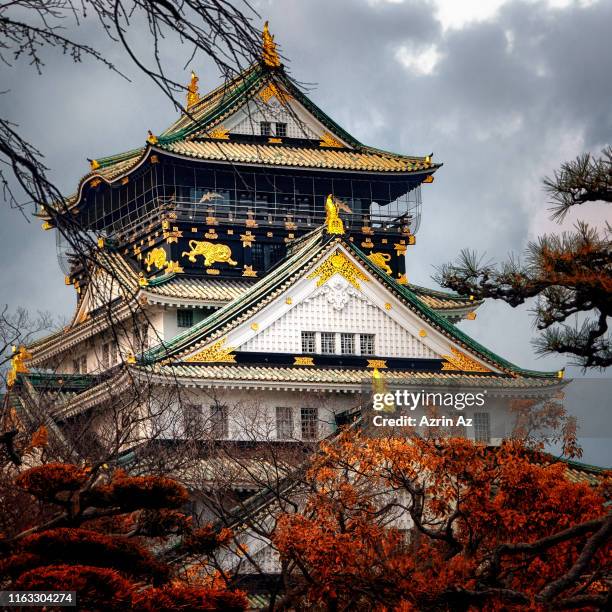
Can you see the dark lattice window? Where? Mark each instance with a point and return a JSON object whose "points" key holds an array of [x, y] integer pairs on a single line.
{"points": [[309, 417], [328, 342], [193, 420], [265, 128], [219, 421], [347, 344], [366, 342], [184, 318], [309, 342], [281, 130]]}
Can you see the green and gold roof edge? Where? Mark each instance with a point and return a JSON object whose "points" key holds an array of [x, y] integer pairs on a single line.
{"points": [[293, 264], [443, 295]]}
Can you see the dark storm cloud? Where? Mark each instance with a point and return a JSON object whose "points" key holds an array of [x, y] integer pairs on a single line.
{"points": [[508, 100]]}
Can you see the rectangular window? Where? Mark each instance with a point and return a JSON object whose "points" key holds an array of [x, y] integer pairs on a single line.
{"points": [[192, 420], [328, 342], [114, 353], [284, 423], [219, 421], [347, 344], [184, 318], [366, 342], [105, 355], [309, 342], [309, 418], [83, 365], [265, 128], [482, 427], [75, 366], [281, 130]]}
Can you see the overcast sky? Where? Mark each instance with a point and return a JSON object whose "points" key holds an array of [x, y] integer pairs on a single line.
{"points": [[501, 92]]}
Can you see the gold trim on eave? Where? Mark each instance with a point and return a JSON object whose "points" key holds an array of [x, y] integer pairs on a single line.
{"points": [[215, 353], [304, 361], [338, 264], [377, 364], [461, 362]]}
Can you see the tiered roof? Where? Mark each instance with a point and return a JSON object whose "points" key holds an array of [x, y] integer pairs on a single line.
{"points": [[198, 134]]}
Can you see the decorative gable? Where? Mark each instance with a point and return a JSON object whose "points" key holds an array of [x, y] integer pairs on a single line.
{"points": [[344, 308], [273, 106], [337, 306]]}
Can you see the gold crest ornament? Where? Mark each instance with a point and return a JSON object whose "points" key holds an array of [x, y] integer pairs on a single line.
{"points": [[338, 264], [211, 252]]}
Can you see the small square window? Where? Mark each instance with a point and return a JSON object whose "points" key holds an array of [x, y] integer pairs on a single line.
{"points": [[284, 422], [265, 128], [281, 130], [347, 344], [328, 342], [309, 344], [366, 342], [482, 427], [184, 318], [309, 418]]}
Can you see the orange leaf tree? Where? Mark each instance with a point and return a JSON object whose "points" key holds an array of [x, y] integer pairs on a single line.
{"points": [[445, 525]]}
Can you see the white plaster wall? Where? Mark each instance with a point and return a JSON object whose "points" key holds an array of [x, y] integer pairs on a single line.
{"points": [[337, 308]]}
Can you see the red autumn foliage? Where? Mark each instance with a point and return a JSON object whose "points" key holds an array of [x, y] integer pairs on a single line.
{"points": [[205, 540], [85, 547], [99, 544], [136, 492], [98, 589], [465, 506], [47, 481], [179, 597]]}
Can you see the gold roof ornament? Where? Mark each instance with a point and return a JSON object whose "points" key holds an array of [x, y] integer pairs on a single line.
{"points": [[333, 206], [18, 366], [151, 137], [193, 95], [270, 54], [94, 164]]}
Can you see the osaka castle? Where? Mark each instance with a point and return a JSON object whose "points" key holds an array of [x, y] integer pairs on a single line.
{"points": [[243, 275]]}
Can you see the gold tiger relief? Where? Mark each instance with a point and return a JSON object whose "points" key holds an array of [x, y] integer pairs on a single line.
{"points": [[381, 259], [211, 252]]}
